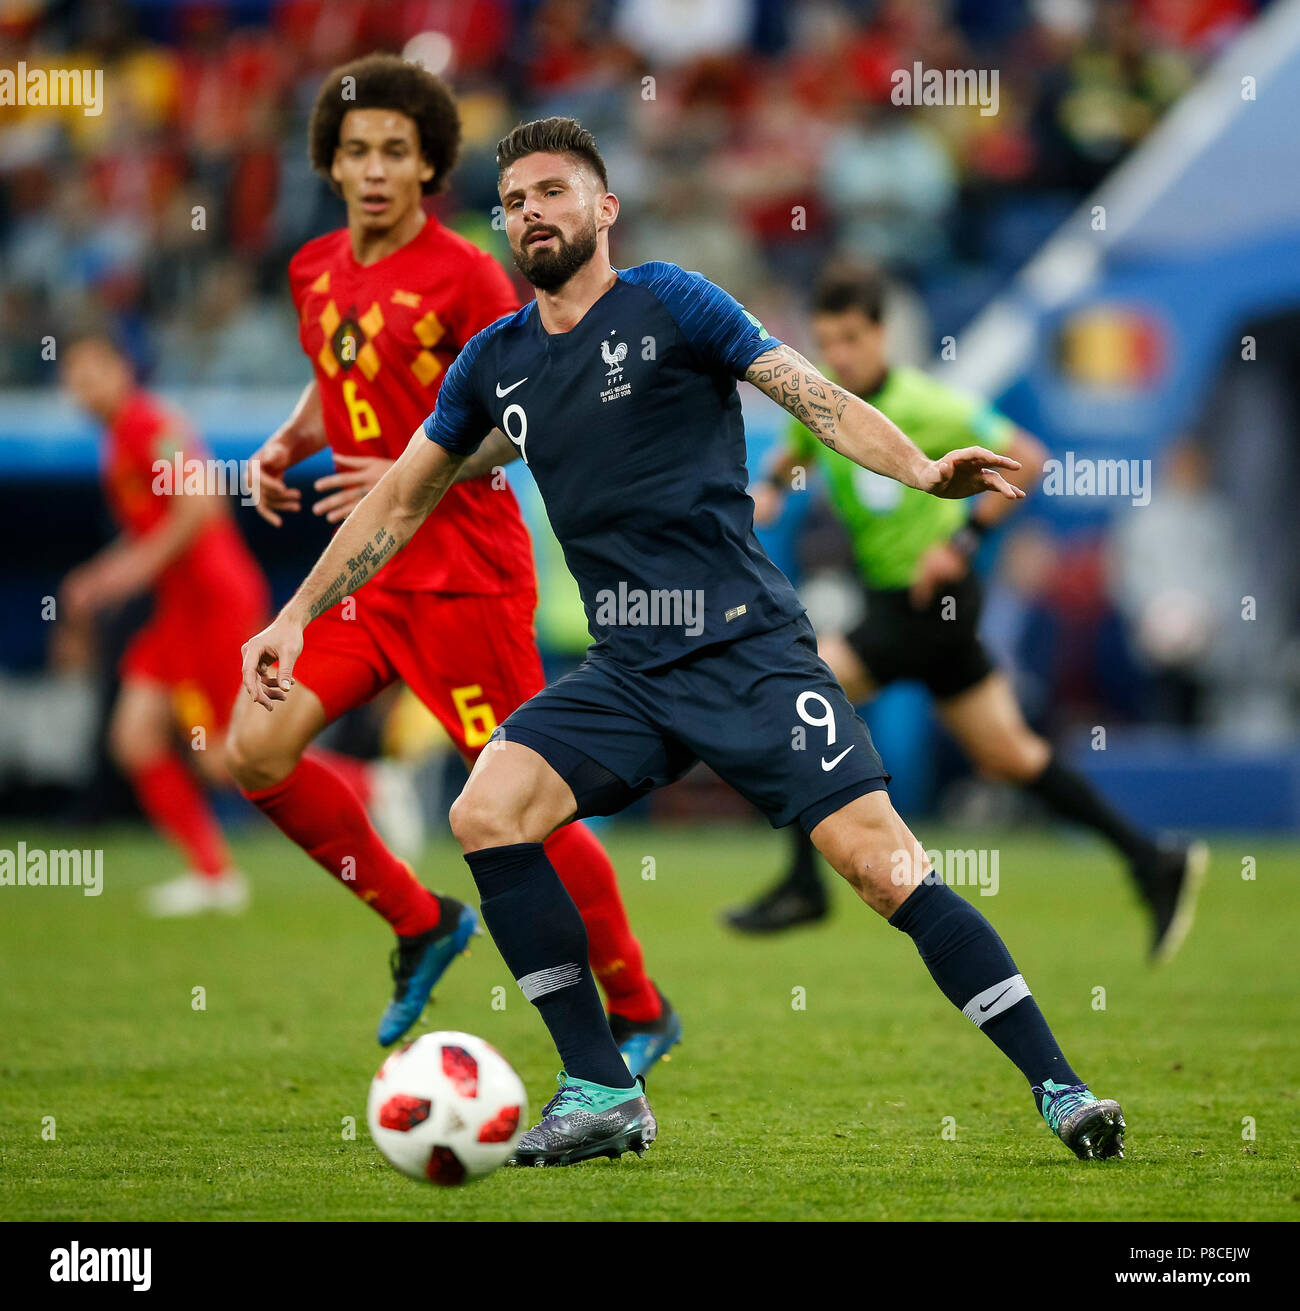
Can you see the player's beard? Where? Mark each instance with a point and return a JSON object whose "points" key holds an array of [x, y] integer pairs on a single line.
{"points": [[549, 270]]}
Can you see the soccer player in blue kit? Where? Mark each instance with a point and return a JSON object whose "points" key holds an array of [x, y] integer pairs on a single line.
{"points": [[618, 390]]}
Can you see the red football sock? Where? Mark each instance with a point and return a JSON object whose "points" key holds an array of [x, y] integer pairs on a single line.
{"points": [[321, 813], [615, 955], [355, 773], [173, 800]]}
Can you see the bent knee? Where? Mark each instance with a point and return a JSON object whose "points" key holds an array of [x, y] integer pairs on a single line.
{"points": [[255, 760], [479, 821], [881, 860], [883, 875]]}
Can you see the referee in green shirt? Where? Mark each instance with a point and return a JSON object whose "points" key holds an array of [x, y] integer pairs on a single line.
{"points": [[922, 606]]}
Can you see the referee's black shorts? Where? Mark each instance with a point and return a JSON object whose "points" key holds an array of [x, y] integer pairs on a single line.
{"points": [[938, 645]]}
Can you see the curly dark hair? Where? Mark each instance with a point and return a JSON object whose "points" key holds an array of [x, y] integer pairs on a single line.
{"points": [[387, 82], [551, 136]]}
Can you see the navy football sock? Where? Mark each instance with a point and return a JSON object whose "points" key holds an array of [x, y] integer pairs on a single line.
{"points": [[540, 934], [974, 970]]}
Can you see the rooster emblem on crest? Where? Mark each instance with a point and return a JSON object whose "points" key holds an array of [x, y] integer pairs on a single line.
{"points": [[614, 358]]}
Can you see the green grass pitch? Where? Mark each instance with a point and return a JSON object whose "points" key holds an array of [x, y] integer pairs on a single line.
{"points": [[873, 1099]]}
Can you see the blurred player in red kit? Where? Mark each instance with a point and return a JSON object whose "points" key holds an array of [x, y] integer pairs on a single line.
{"points": [[384, 306], [179, 542]]}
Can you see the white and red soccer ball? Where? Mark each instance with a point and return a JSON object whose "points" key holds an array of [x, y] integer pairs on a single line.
{"points": [[447, 1108]]}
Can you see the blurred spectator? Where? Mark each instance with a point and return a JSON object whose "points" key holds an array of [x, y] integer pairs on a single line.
{"points": [[1176, 575], [890, 185], [1121, 80], [229, 336], [671, 32]]}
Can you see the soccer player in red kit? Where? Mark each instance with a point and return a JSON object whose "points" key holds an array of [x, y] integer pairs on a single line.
{"points": [[179, 541], [384, 305]]}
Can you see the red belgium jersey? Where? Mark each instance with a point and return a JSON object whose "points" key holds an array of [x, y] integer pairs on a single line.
{"points": [[380, 338], [217, 568]]}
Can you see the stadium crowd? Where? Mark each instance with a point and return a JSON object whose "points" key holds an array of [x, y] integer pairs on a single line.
{"points": [[758, 135]]}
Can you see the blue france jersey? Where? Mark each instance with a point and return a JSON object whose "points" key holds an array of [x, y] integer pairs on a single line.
{"points": [[632, 427]]}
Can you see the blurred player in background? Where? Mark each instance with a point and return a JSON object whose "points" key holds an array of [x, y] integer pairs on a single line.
{"points": [[922, 607], [384, 306], [180, 544]]}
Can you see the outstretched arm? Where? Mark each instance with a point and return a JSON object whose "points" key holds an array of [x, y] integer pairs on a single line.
{"points": [[383, 522], [847, 424]]}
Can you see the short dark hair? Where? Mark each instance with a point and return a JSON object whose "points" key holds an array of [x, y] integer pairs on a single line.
{"points": [[845, 287], [551, 136], [387, 82]]}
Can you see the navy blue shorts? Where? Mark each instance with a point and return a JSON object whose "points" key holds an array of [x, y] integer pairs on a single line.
{"points": [[763, 712]]}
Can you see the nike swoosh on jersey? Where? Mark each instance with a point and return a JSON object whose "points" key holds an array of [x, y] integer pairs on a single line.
{"points": [[507, 390], [829, 765], [995, 1000]]}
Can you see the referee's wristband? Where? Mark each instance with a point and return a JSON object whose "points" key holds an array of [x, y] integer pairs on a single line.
{"points": [[968, 537]]}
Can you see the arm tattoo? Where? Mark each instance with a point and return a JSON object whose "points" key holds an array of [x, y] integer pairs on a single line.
{"points": [[795, 385], [845, 423], [333, 594], [360, 567]]}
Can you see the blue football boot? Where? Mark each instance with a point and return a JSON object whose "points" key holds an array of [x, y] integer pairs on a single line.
{"points": [[643, 1042], [418, 963]]}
